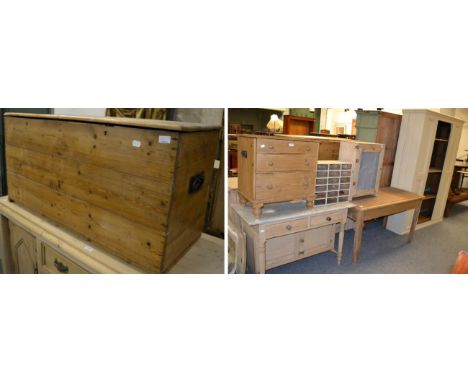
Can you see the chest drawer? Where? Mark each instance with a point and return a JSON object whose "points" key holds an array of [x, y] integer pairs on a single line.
{"points": [[279, 162], [287, 227], [333, 217], [281, 146], [55, 262], [284, 185]]}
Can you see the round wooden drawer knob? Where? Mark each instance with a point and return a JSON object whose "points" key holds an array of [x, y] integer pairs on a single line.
{"points": [[307, 148], [270, 163], [269, 186], [270, 147], [328, 218], [307, 163], [289, 227]]}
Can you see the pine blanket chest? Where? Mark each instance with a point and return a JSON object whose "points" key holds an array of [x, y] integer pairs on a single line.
{"points": [[136, 188]]}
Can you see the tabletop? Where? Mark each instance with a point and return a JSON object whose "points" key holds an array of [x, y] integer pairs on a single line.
{"points": [[385, 197], [277, 212]]}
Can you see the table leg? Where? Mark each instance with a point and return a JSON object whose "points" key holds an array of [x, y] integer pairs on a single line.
{"points": [[260, 252], [358, 227], [414, 222], [340, 241]]}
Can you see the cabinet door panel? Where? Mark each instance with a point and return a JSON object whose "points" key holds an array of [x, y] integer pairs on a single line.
{"points": [[23, 250]]}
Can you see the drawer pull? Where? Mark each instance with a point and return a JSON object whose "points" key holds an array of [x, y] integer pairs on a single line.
{"points": [[301, 240], [328, 218], [308, 148], [269, 186], [301, 253], [289, 227], [270, 163], [62, 268], [270, 147], [307, 163]]}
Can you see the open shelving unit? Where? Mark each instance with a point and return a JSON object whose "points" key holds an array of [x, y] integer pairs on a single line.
{"points": [[439, 152], [424, 162]]}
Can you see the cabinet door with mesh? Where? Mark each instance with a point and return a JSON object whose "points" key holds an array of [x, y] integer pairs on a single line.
{"points": [[369, 173]]}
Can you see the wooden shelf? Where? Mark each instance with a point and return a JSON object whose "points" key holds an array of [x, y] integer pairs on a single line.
{"points": [[435, 170], [441, 140]]}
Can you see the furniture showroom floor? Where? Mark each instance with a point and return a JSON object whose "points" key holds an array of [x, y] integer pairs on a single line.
{"points": [[205, 256], [433, 250]]}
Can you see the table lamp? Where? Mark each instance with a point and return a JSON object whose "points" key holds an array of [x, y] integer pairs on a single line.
{"points": [[275, 125]]}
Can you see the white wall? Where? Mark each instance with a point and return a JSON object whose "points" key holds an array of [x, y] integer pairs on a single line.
{"points": [[88, 112]]}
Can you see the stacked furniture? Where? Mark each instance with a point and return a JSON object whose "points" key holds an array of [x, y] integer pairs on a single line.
{"points": [[333, 182], [134, 188], [298, 125], [276, 169], [381, 127], [424, 164]]}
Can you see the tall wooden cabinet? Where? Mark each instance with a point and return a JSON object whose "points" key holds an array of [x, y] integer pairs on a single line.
{"points": [[424, 163], [380, 127]]}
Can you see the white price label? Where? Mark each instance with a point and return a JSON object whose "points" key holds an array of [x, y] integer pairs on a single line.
{"points": [[216, 164], [164, 139], [136, 143], [88, 248], [291, 144]]}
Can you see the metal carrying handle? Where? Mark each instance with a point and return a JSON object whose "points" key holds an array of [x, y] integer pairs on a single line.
{"points": [[62, 268], [196, 182]]}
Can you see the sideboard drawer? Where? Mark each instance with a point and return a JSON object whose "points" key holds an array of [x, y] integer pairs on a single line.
{"points": [[334, 217], [281, 146], [286, 228], [55, 262], [279, 162]]}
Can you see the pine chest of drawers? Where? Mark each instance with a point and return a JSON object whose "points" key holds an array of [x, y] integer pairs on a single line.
{"points": [[276, 169], [136, 188]]}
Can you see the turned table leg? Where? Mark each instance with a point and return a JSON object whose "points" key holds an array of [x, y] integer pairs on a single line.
{"points": [[340, 241], [310, 202], [414, 222], [358, 227]]}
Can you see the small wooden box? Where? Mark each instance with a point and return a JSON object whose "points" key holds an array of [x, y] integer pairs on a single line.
{"points": [[276, 169], [137, 188]]}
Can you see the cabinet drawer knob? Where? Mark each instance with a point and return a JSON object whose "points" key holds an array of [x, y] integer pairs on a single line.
{"points": [[308, 148], [62, 268], [328, 218], [301, 253], [301, 240], [307, 163], [269, 186], [270, 147], [289, 227], [270, 163]]}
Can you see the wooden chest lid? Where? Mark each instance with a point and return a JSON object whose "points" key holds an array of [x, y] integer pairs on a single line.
{"points": [[126, 122]]}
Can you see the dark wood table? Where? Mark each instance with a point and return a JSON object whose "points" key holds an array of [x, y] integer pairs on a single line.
{"points": [[388, 201]]}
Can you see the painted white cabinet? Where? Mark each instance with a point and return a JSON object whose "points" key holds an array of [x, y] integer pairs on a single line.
{"points": [[424, 162]]}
